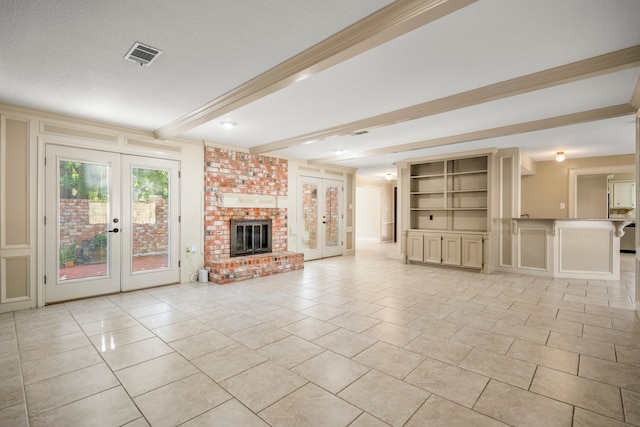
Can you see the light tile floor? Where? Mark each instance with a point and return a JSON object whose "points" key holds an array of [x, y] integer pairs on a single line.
{"points": [[348, 341]]}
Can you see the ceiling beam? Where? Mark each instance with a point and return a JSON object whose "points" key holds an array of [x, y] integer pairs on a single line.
{"points": [[587, 68], [532, 126], [396, 19]]}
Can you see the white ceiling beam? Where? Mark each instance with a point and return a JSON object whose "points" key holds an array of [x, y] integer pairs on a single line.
{"points": [[396, 19], [532, 126], [587, 68]]}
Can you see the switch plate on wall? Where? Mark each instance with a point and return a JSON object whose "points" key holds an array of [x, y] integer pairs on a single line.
{"points": [[562, 205]]}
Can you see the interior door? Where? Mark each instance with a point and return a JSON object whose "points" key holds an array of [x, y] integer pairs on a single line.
{"points": [[82, 223], [321, 211], [111, 223]]}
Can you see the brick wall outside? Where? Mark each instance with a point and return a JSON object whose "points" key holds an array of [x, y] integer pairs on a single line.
{"points": [[332, 229], [228, 171], [331, 215], [76, 227], [153, 238], [310, 215]]}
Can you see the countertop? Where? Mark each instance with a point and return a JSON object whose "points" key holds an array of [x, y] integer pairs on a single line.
{"points": [[618, 223], [575, 219]]}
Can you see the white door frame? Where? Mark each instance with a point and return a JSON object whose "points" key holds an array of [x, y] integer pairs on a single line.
{"points": [[321, 251], [596, 170], [120, 279]]}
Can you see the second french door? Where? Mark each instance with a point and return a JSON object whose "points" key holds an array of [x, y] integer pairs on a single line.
{"points": [[111, 222], [321, 217]]}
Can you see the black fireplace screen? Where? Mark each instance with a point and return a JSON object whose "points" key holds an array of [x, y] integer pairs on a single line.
{"points": [[250, 236]]}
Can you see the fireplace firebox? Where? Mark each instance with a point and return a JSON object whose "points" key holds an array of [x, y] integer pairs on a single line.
{"points": [[250, 236]]}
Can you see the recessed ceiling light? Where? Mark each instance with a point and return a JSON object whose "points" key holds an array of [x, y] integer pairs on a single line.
{"points": [[338, 151], [302, 77], [228, 125]]}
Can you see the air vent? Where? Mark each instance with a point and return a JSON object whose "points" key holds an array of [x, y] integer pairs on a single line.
{"points": [[142, 54], [360, 132]]}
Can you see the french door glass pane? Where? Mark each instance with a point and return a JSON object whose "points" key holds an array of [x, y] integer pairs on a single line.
{"points": [[332, 212], [310, 216], [83, 246], [150, 219]]}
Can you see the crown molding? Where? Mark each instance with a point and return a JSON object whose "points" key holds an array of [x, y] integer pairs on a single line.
{"points": [[586, 68], [392, 21]]}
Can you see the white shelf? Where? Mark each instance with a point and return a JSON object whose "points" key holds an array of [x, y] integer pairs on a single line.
{"points": [[438, 175], [450, 195], [467, 173], [479, 190]]}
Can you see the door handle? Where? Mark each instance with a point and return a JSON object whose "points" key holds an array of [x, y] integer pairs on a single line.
{"points": [[115, 230]]}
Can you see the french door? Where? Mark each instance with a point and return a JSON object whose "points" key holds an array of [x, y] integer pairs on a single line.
{"points": [[321, 217], [111, 222]]}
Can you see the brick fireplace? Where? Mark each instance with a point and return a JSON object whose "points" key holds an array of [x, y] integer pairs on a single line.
{"points": [[241, 186]]}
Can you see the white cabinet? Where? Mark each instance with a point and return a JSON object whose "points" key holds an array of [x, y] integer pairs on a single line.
{"points": [[472, 251], [459, 250], [415, 248], [623, 195], [451, 250], [432, 248]]}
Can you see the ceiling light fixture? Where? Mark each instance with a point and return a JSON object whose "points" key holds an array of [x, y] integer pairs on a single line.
{"points": [[560, 156], [228, 125], [388, 176]]}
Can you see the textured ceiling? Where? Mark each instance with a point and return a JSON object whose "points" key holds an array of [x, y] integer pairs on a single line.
{"points": [[67, 57]]}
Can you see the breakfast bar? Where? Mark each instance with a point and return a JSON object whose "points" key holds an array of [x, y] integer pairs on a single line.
{"points": [[569, 248]]}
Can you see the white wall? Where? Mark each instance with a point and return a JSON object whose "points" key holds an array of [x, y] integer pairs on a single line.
{"points": [[592, 196], [192, 208], [386, 212], [368, 222]]}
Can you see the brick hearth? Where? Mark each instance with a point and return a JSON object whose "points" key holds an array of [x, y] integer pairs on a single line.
{"points": [[228, 270]]}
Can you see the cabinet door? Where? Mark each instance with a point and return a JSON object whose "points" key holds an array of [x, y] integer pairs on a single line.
{"points": [[451, 253], [624, 195], [433, 248], [415, 249], [472, 251]]}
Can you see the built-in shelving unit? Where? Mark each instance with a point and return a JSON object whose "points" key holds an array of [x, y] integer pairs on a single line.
{"points": [[448, 219], [450, 195]]}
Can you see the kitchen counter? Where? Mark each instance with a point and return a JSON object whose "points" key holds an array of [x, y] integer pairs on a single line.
{"points": [[618, 223], [568, 247]]}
